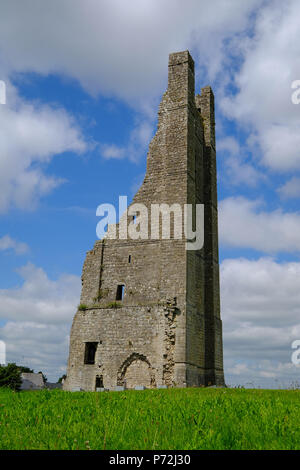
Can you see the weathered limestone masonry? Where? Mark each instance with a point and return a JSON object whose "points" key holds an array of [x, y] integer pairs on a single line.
{"points": [[166, 330]]}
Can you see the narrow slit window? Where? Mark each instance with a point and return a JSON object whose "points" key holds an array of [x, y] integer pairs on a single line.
{"points": [[90, 353], [99, 381], [120, 292], [129, 259]]}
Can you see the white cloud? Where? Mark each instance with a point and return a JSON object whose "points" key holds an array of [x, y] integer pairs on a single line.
{"points": [[263, 103], [260, 308], [121, 48], [112, 151], [38, 346], [230, 145], [291, 189], [259, 304], [116, 47], [244, 224], [237, 170], [250, 287], [40, 299], [30, 136], [139, 139], [38, 319], [280, 145], [116, 50], [8, 243]]}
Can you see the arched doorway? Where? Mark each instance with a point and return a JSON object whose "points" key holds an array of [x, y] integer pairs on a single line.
{"points": [[136, 370]]}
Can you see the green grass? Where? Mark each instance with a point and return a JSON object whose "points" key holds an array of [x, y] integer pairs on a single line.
{"points": [[152, 419]]}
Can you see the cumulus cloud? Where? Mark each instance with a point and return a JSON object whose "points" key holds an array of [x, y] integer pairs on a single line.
{"points": [[271, 62], [115, 47], [253, 284], [243, 223], [291, 189], [30, 136], [38, 318], [110, 48], [238, 171], [260, 304], [112, 151], [8, 243], [139, 138], [260, 310], [40, 299], [38, 346]]}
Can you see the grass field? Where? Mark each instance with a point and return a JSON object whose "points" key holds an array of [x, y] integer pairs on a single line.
{"points": [[152, 419]]}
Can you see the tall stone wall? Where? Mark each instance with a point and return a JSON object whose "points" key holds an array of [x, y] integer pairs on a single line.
{"points": [[167, 329]]}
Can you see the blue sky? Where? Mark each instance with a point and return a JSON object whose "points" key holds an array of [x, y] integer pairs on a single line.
{"points": [[87, 179], [84, 81]]}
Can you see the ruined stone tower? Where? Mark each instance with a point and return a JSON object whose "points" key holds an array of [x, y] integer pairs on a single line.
{"points": [[150, 308]]}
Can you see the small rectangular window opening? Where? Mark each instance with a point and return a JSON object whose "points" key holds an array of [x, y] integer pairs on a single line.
{"points": [[90, 353], [99, 381], [129, 259], [120, 292]]}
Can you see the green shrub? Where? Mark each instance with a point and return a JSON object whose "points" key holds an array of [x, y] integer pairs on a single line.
{"points": [[113, 305], [10, 376], [82, 307]]}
